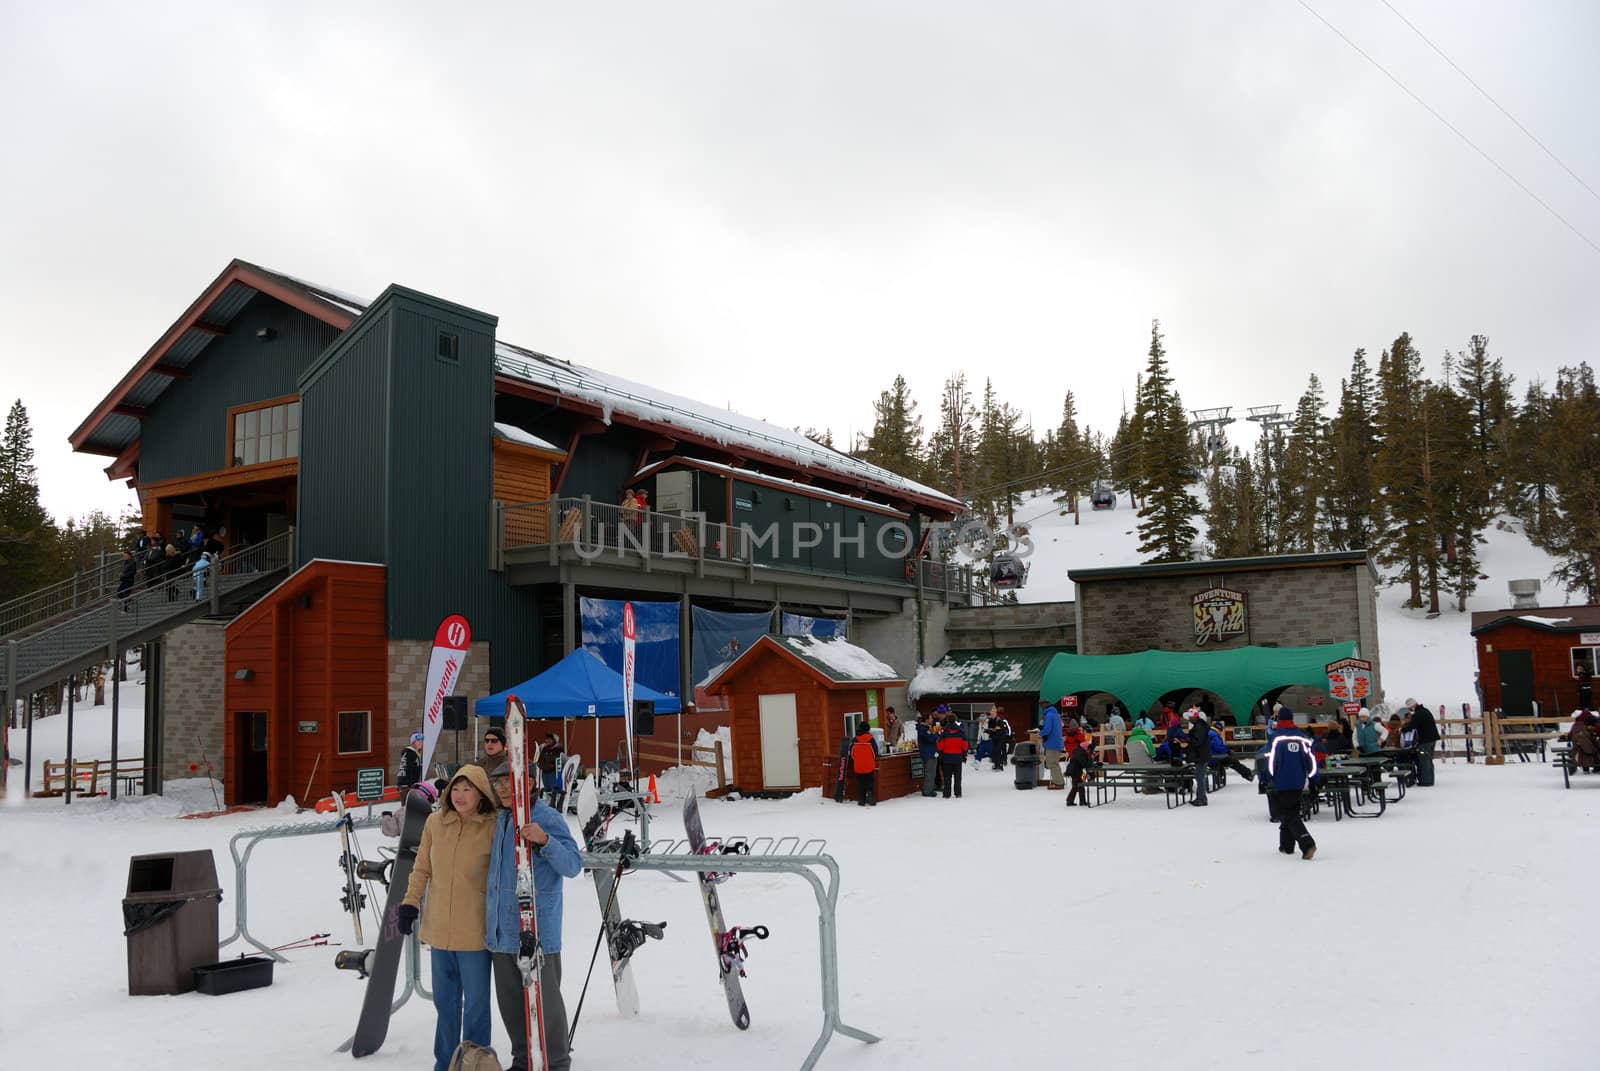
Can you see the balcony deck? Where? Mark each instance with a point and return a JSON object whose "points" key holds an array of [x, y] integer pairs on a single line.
{"points": [[581, 541]]}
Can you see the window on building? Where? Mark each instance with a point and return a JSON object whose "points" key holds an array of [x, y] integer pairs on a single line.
{"points": [[355, 732], [266, 433], [449, 347], [1584, 658]]}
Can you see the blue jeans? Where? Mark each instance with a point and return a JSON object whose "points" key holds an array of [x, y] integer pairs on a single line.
{"points": [[461, 999]]}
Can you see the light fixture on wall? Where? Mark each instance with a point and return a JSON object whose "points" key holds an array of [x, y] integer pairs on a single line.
{"points": [[244, 674], [266, 334]]}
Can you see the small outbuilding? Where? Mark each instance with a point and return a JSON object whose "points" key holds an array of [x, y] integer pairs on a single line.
{"points": [[794, 701], [1536, 656], [971, 682]]}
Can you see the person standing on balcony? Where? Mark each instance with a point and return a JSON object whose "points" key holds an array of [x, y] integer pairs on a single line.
{"points": [[130, 573], [153, 561], [200, 571], [631, 513], [172, 565]]}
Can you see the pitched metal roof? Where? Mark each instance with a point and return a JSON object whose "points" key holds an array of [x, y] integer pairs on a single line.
{"points": [[837, 659], [1546, 619], [1006, 671], [1222, 565]]}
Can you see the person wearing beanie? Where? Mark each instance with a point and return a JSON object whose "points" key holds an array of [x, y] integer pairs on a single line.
{"points": [[1292, 766], [410, 762], [952, 756], [1050, 739], [555, 856], [1079, 746], [494, 745], [1419, 720], [1199, 753]]}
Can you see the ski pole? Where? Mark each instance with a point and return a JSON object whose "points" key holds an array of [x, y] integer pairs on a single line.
{"points": [[628, 850]]}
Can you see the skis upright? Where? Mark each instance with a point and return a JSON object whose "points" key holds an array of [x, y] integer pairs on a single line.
{"points": [[353, 899], [530, 956], [569, 770], [729, 943], [382, 963], [591, 819]]}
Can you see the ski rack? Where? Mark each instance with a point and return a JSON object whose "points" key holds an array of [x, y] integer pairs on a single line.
{"points": [[674, 857], [241, 867]]}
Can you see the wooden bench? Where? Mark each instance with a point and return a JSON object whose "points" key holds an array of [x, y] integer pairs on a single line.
{"points": [[95, 771]]}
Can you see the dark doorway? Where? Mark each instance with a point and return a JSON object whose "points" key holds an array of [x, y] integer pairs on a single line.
{"points": [[1516, 681], [250, 733]]}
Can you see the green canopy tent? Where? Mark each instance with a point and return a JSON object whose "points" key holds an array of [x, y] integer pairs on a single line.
{"points": [[1239, 675]]}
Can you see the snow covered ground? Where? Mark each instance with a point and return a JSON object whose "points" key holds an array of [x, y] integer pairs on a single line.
{"points": [[972, 933], [975, 933]]}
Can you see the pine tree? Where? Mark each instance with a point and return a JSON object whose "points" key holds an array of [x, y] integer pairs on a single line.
{"points": [[1072, 461], [952, 451], [1352, 441], [1166, 522], [1571, 530], [1458, 493], [1485, 387], [895, 442], [29, 557], [1398, 467], [1234, 510], [1530, 468], [1305, 474]]}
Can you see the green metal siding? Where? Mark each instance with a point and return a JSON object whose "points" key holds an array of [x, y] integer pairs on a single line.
{"points": [[186, 430], [601, 466], [343, 511]]}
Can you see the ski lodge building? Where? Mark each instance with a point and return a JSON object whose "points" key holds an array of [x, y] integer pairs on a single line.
{"points": [[378, 465]]}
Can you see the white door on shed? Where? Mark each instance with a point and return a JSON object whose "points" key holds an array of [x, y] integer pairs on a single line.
{"points": [[780, 741]]}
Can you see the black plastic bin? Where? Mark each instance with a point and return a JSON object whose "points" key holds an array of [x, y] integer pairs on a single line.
{"points": [[169, 916], [233, 975], [1025, 760]]}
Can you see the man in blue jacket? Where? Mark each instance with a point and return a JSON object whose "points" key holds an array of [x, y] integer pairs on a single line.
{"points": [[1051, 739], [555, 856], [928, 751], [1291, 766]]}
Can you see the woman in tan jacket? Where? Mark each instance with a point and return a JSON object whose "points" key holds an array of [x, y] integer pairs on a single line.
{"points": [[452, 867]]}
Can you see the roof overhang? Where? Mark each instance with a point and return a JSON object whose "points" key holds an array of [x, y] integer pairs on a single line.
{"points": [[112, 429]]}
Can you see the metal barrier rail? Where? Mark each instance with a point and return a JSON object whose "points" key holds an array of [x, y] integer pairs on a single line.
{"points": [[805, 866]]}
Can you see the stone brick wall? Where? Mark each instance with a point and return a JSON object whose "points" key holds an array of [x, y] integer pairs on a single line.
{"points": [[192, 711], [408, 676], [1025, 624], [1293, 607]]}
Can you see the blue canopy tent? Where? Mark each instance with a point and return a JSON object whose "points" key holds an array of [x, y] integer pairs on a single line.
{"points": [[578, 686]]}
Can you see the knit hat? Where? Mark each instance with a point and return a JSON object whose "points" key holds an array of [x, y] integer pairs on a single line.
{"points": [[418, 737], [498, 734], [1285, 716], [941, 709]]}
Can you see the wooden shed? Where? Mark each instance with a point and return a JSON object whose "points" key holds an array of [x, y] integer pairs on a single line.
{"points": [[1528, 656], [794, 699], [307, 687]]}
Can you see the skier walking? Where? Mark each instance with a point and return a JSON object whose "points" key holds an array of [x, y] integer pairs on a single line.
{"points": [[1291, 765], [455, 849], [555, 856]]}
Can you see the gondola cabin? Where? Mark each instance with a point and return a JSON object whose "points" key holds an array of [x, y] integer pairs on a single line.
{"points": [[1008, 573], [1103, 498]]}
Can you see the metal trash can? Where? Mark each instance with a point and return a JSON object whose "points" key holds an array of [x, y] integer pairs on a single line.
{"points": [[169, 916], [1025, 759]]}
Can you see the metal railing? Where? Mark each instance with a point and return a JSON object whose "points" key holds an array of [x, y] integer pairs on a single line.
{"points": [[61, 598], [174, 594], [595, 528]]}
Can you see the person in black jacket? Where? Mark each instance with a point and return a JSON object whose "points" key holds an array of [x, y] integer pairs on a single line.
{"points": [[410, 762], [130, 573], [999, 740], [1420, 721], [952, 755], [1199, 752]]}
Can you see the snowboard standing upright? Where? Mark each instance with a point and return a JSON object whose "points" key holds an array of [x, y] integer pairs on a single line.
{"points": [[591, 821], [729, 944], [530, 957], [383, 962]]}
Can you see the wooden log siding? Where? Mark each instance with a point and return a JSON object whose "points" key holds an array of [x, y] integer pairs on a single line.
{"points": [[522, 474]]}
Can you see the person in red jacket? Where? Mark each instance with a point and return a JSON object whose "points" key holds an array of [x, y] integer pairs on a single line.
{"points": [[864, 760], [952, 756], [1080, 756]]}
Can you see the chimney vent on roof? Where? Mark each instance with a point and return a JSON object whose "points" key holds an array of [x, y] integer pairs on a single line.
{"points": [[1524, 594]]}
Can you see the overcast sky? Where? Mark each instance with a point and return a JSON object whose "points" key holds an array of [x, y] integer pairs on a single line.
{"points": [[780, 206]]}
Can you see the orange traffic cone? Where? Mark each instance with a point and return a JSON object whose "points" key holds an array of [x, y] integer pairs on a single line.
{"points": [[654, 796]]}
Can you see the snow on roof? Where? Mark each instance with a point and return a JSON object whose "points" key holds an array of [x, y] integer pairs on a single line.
{"points": [[1544, 620], [801, 488], [513, 434], [350, 302], [982, 673], [840, 659], [723, 426]]}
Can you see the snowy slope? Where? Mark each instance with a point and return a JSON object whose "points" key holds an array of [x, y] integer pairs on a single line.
{"points": [[1430, 660]]}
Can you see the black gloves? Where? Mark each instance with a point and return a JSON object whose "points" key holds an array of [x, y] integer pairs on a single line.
{"points": [[407, 917]]}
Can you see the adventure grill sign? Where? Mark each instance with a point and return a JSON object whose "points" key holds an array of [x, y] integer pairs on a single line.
{"points": [[1218, 615]]}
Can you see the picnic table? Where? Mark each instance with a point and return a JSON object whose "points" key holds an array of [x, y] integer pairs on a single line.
{"points": [[1349, 785], [1175, 782]]}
